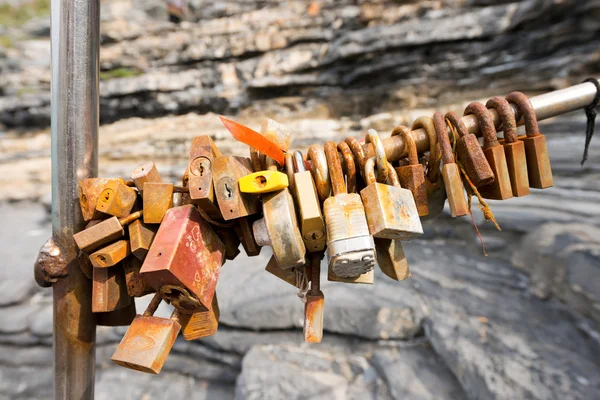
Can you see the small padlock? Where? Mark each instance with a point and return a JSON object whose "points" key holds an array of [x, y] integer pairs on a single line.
{"points": [[227, 170], [514, 149], [312, 224], [141, 236], [186, 253], [450, 172], [244, 232], [263, 182], [279, 229], [470, 154], [89, 192], [351, 250], [314, 308], [391, 211], [500, 189], [412, 176], [109, 289], [121, 317], [286, 275], [136, 285], [148, 341], [203, 151], [158, 198], [116, 199], [143, 173], [111, 255], [539, 169], [103, 232], [320, 171], [200, 324], [391, 259]]}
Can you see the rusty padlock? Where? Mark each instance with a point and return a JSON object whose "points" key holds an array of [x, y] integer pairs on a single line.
{"points": [[286, 275], [539, 169], [148, 341], [158, 198], [145, 172], [244, 232], [89, 192], [110, 255], [109, 289], [231, 241], [141, 236], [314, 308], [203, 152], [514, 149], [391, 259], [187, 254], [320, 171], [116, 198], [450, 172], [351, 250], [470, 154], [412, 176], [121, 317], [201, 323], [136, 285], [227, 170], [500, 189], [103, 232]]}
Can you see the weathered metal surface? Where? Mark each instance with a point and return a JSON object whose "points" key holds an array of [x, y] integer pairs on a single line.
{"points": [[116, 199], [203, 151], [109, 289], [245, 233], [89, 192], [359, 153], [412, 176], [320, 171], [227, 170], [136, 285], [50, 265], [181, 298], [231, 241], [158, 198], [277, 133], [85, 264], [254, 139], [514, 149], [391, 259], [145, 172], [367, 278], [348, 166], [186, 252], [200, 324], [286, 275], [314, 308], [141, 236], [121, 317], [98, 235], [110, 255], [539, 169]]}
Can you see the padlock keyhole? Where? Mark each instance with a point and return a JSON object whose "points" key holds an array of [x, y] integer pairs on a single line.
{"points": [[260, 181], [228, 192]]}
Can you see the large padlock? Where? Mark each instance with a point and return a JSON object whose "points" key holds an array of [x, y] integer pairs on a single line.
{"points": [[536, 149], [312, 224], [350, 247], [148, 341], [470, 154], [89, 192], [279, 229], [141, 236], [314, 308], [110, 255], [202, 155], [109, 289], [201, 323], [500, 189], [412, 176], [245, 233], [145, 172], [121, 317], [391, 211], [391, 259], [450, 172], [186, 253], [116, 198], [227, 170], [104, 232], [320, 171], [158, 198], [136, 285], [514, 149]]}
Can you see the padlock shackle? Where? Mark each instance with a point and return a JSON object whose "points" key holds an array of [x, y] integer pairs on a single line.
{"points": [[508, 123], [527, 112], [486, 122], [315, 273], [410, 147], [380, 157], [131, 217], [359, 152], [335, 168], [441, 130], [348, 166], [320, 171], [298, 161], [433, 167], [153, 305]]}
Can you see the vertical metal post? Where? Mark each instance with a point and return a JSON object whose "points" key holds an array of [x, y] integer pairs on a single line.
{"points": [[75, 49]]}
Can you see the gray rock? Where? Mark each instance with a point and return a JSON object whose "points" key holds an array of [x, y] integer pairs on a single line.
{"points": [[13, 291]]}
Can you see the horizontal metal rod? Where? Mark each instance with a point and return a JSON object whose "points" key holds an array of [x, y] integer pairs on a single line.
{"points": [[546, 106]]}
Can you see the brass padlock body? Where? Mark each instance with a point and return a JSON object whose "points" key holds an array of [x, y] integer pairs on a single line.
{"points": [[312, 224], [500, 189], [227, 170], [143, 173], [412, 177], [200, 179], [314, 312], [136, 285], [286, 275], [147, 344], [516, 162], [141, 236], [99, 234], [454, 190], [116, 199], [391, 259], [538, 162], [89, 192], [109, 290], [200, 324], [186, 252], [158, 198], [121, 317], [110, 255]]}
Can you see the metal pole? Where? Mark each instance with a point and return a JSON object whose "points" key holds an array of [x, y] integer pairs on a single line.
{"points": [[546, 106], [75, 49]]}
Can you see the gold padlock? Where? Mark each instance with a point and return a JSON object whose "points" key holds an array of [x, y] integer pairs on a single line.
{"points": [[200, 324], [227, 170], [140, 238], [203, 151], [116, 199], [109, 289], [314, 308], [145, 172], [412, 176], [103, 232], [110, 255], [158, 198], [89, 192]]}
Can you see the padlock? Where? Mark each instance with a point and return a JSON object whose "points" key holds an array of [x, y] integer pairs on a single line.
{"points": [[158, 198], [227, 170], [351, 250], [116, 199], [85, 264], [109, 289], [276, 133], [391, 259], [121, 317], [434, 183], [104, 232], [279, 229], [286, 275], [244, 232], [203, 152], [89, 192], [111, 255], [314, 308], [312, 224], [514, 149], [263, 182], [141, 236], [289, 170], [148, 341], [470, 154], [136, 285], [367, 278], [186, 253], [319, 171], [185, 198], [145, 172], [257, 160], [231, 241], [348, 166], [500, 189], [450, 172], [200, 324], [412, 176], [539, 169]]}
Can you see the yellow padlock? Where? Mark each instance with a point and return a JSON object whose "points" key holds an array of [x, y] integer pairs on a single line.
{"points": [[263, 182]]}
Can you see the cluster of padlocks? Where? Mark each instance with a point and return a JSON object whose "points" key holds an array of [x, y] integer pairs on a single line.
{"points": [[345, 200]]}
